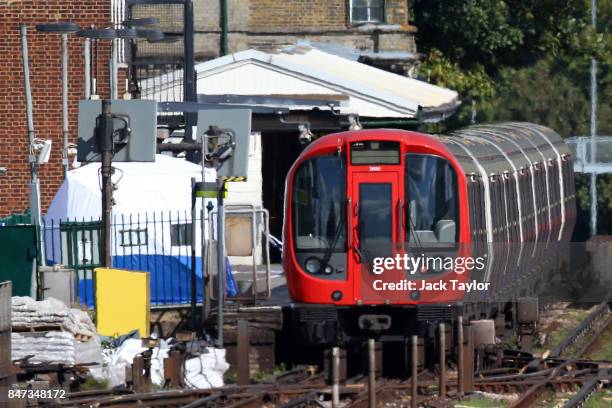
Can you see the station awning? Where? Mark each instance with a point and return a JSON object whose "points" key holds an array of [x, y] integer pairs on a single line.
{"points": [[304, 72]]}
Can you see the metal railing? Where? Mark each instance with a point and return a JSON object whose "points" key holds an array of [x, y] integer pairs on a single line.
{"points": [[158, 243], [581, 148], [259, 220]]}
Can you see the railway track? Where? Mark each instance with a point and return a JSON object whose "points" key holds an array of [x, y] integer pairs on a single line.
{"points": [[298, 388], [577, 344], [564, 370]]}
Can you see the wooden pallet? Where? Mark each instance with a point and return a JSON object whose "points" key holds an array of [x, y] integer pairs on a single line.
{"points": [[36, 328], [83, 337]]}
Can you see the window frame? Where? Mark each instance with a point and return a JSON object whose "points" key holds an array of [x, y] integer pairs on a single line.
{"points": [[139, 233], [354, 22], [180, 231]]}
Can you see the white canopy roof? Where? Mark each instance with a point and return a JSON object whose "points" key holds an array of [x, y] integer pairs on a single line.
{"points": [[305, 70]]}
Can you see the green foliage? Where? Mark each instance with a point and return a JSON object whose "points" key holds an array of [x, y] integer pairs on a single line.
{"points": [[497, 33], [538, 94], [604, 200], [522, 60], [473, 82]]}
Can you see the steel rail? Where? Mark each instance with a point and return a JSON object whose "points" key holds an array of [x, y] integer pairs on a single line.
{"points": [[583, 394], [586, 325], [534, 392]]}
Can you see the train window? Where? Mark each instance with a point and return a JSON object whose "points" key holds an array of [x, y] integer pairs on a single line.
{"points": [[509, 206], [540, 196], [471, 187], [375, 152], [515, 205], [482, 210], [375, 226], [497, 207], [319, 194], [478, 209], [504, 210], [431, 198], [530, 203]]}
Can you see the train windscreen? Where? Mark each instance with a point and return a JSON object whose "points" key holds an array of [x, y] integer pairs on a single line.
{"points": [[431, 197], [319, 191]]}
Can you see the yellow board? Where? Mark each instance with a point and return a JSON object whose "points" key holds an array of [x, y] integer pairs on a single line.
{"points": [[122, 301]]}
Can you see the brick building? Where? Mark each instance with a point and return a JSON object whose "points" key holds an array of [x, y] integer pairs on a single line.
{"points": [[45, 77], [378, 30]]}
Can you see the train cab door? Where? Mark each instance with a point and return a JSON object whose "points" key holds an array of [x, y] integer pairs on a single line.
{"points": [[377, 229]]}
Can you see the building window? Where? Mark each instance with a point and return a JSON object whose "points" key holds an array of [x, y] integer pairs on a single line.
{"points": [[133, 237], [180, 234], [367, 11]]}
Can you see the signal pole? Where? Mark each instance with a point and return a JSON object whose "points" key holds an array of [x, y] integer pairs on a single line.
{"points": [[593, 126], [34, 186], [104, 129], [220, 260]]}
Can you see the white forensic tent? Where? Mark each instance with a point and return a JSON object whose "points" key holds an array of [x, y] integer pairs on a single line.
{"points": [[151, 224]]}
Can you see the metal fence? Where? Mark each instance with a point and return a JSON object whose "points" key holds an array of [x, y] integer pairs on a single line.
{"points": [[581, 147], [159, 243]]}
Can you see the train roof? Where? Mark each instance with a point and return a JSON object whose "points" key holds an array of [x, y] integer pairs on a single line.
{"points": [[503, 147], [481, 150]]}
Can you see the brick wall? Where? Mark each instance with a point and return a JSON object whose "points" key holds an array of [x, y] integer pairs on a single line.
{"points": [[314, 14], [45, 78], [397, 12], [297, 14]]}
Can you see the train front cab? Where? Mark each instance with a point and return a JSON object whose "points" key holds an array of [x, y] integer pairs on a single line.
{"points": [[353, 199]]}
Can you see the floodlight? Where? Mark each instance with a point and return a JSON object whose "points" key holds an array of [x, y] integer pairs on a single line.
{"points": [[61, 28], [139, 22], [151, 35]]}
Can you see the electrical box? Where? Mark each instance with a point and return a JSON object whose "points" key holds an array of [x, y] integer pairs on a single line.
{"points": [[141, 144], [59, 283], [239, 122], [123, 301]]}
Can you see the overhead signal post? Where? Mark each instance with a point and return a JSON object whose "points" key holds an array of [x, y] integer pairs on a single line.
{"points": [[225, 136], [105, 130]]}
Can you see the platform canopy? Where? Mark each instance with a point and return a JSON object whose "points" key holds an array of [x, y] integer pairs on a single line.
{"points": [[305, 72]]}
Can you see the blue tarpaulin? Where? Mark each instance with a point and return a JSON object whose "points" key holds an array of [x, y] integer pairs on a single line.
{"points": [[170, 278]]}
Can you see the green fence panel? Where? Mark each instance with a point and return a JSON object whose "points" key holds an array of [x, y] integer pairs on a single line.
{"points": [[16, 219]]}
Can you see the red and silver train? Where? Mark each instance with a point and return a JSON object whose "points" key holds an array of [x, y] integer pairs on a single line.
{"points": [[362, 206]]}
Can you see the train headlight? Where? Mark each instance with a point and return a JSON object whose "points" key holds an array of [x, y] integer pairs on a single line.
{"points": [[313, 265], [328, 270]]}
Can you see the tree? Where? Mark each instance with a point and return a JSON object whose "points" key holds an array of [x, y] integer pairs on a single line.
{"points": [[522, 60], [494, 33]]}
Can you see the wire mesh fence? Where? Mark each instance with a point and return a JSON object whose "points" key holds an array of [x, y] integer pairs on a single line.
{"points": [[156, 67]]}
